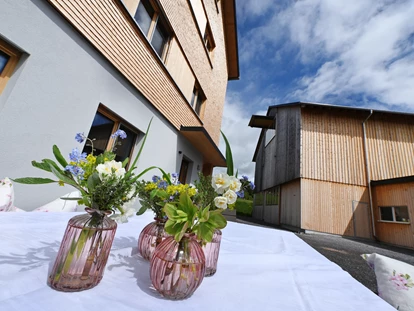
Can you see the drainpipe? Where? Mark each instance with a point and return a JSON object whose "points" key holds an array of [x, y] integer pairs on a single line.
{"points": [[367, 167]]}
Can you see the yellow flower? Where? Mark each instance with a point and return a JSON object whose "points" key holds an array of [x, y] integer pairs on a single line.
{"points": [[91, 159], [150, 186], [61, 183]]}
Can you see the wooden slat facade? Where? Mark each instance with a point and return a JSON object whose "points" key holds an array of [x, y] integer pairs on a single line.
{"points": [[332, 146], [394, 195], [390, 141], [331, 207], [108, 26]]}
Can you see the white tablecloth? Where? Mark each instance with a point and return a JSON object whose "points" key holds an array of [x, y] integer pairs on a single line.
{"points": [[259, 269]]}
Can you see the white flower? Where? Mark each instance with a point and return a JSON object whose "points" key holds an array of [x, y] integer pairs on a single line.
{"points": [[220, 182], [235, 184], [231, 196], [110, 167], [128, 212], [220, 202]]}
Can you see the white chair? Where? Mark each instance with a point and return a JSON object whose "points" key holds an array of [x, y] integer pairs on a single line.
{"points": [[60, 205]]}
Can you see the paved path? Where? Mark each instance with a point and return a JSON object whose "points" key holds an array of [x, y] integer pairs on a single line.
{"points": [[346, 253]]}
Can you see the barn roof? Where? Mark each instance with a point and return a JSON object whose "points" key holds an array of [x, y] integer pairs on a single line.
{"points": [[265, 122]]}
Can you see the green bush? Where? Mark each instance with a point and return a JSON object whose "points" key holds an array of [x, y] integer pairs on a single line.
{"points": [[244, 207]]}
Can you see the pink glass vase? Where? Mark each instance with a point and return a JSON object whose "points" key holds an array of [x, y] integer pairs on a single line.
{"points": [[177, 268], [83, 253], [150, 237], [211, 251]]}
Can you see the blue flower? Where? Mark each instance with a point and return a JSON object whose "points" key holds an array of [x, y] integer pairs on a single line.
{"points": [[174, 175], [252, 186], [76, 156], [75, 170], [162, 184], [155, 178], [240, 194], [119, 133], [245, 177], [80, 137]]}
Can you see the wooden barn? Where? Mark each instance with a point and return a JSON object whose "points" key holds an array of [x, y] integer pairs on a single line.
{"points": [[338, 170]]}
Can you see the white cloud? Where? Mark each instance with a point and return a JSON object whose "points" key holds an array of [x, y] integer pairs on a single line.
{"points": [[242, 138], [361, 47], [368, 48]]}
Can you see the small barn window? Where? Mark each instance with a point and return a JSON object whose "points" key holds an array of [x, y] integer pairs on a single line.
{"points": [[272, 196], [259, 198], [394, 214]]}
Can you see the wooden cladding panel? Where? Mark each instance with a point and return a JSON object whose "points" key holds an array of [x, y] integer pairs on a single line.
{"points": [[391, 146], [332, 146], [328, 207], [290, 209], [110, 30], [212, 78], [394, 195]]}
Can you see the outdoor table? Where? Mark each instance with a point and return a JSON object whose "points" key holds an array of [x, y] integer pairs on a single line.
{"points": [[258, 269]]}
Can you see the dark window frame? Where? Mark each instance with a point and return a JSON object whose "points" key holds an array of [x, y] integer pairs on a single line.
{"points": [[118, 123], [157, 20], [394, 214], [14, 56], [198, 100]]}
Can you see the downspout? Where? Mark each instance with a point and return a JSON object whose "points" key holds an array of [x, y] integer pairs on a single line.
{"points": [[367, 167]]}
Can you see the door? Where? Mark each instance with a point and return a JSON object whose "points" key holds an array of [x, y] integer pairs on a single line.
{"points": [[184, 171], [362, 222]]}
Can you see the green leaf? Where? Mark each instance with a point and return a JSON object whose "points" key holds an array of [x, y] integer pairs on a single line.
{"points": [[229, 156], [34, 180], [165, 175], [125, 162], [139, 152], [179, 235], [93, 181], [170, 210], [142, 210], [59, 157], [43, 166], [217, 219], [52, 163], [205, 231], [205, 214]]}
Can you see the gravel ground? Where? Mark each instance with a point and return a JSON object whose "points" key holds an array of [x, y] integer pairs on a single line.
{"points": [[346, 252]]}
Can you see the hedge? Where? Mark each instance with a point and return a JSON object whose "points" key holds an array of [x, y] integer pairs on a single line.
{"points": [[244, 207]]}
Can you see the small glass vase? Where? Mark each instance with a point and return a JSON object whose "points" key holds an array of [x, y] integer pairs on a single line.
{"points": [[83, 253], [150, 237], [177, 268], [211, 251]]}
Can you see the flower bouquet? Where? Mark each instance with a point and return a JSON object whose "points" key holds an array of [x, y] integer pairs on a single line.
{"points": [[153, 196], [106, 188]]}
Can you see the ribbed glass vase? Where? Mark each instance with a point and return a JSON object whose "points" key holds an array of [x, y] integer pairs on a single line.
{"points": [[177, 268], [211, 251], [83, 253], [150, 237]]}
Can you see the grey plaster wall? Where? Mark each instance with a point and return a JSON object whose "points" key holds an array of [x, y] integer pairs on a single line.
{"points": [[55, 92]]}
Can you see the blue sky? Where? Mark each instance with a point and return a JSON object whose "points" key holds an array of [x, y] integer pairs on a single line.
{"points": [[344, 52]]}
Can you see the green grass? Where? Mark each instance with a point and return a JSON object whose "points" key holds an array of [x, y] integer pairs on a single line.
{"points": [[244, 207]]}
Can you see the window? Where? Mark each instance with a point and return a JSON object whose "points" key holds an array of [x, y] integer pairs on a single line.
{"points": [[272, 196], [209, 40], [153, 25], [9, 57], [197, 100], [259, 198], [394, 213], [103, 126], [270, 133]]}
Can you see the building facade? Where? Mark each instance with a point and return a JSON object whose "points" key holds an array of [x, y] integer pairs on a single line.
{"points": [[326, 168], [73, 66]]}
